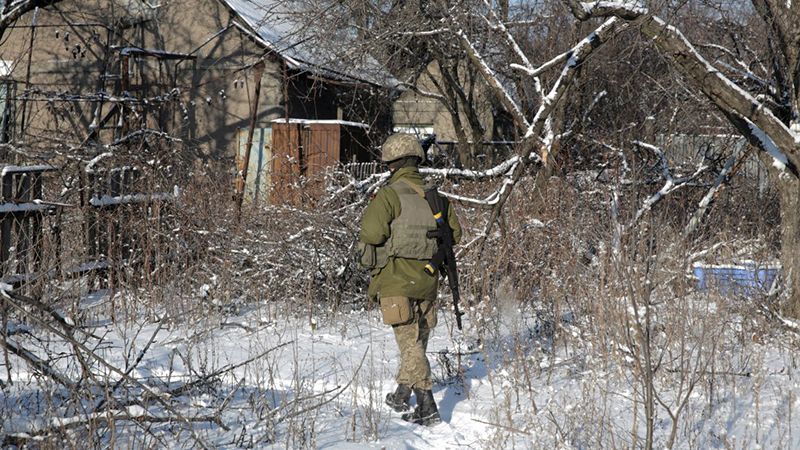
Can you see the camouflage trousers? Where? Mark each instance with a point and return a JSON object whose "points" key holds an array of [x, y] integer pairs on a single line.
{"points": [[412, 340]]}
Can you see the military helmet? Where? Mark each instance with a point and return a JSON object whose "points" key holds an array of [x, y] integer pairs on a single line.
{"points": [[399, 146]]}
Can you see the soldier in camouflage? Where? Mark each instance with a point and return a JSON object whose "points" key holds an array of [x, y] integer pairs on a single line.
{"points": [[396, 245]]}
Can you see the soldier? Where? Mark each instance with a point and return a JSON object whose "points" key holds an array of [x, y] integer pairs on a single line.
{"points": [[397, 241]]}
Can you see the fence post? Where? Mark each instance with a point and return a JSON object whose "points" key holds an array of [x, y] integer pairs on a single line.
{"points": [[5, 228]]}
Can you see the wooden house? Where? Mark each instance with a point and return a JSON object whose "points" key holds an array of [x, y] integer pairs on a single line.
{"points": [[80, 72]]}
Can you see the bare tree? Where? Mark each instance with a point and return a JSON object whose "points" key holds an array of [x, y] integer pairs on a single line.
{"points": [[14, 9], [770, 122]]}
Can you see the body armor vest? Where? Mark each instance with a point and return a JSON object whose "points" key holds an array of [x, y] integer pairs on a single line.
{"points": [[409, 231]]}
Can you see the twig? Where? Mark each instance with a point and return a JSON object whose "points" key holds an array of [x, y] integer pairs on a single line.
{"points": [[111, 367], [324, 402], [132, 367], [61, 424], [505, 427], [181, 389], [40, 365]]}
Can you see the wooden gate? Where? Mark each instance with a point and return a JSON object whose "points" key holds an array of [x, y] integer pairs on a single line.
{"points": [[305, 150]]}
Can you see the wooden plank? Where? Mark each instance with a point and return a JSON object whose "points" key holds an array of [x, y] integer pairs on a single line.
{"points": [[36, 224], [287, 162]]}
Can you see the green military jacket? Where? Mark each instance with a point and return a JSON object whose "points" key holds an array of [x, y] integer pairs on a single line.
{"points": [[400, 276]]}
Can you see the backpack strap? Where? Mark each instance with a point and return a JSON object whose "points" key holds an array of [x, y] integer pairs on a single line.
{"points": [[414, 187]]}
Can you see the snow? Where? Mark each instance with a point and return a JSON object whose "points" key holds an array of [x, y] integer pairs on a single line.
{"points": [[779, 159], [279, 27], [108, 200], [495, 171], [6, 67], [300, 234], [633, 6], [90, 165], [26, 169], [348, 361], [322, 122], [11, 208]]}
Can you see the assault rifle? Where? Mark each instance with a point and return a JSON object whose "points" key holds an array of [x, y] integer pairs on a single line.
{"points": [[444, 257], [427, 142]]}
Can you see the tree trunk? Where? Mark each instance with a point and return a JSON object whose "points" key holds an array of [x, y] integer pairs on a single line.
{"points": [[789, 188]]}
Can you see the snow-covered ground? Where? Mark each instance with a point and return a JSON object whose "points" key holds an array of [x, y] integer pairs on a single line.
{"points": [[319, 382]]}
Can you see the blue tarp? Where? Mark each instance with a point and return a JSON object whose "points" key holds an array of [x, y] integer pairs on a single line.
{"points": [[745, 279]]}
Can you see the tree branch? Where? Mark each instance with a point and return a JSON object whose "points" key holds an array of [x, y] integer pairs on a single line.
{"points": [[722, 92]]}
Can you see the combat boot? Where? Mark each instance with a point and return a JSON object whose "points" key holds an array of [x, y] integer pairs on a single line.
{"points": [[426, 413], [398, 400]]}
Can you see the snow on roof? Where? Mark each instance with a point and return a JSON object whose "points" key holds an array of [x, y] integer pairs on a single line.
{"points": [[285, 28], [310, 121]]}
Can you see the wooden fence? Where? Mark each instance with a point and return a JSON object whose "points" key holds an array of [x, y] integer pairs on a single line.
{"points": [[362, 170], [22, 211], [120, 221]]}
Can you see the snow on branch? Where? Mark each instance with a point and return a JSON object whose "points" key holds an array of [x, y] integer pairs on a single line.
{"points": [[422, 33], [731, 165], [627, 10], [779, 159], [505, 169], [507, 35], [491, 200], [374, 181], [671, 184], [734, 101], [130, 199], [142, 134], [544, 67], [493, 80], [90, 166], [577, 56], [662, 159], [453, 173]]}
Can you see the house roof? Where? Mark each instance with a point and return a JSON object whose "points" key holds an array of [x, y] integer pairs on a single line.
{"points": [[289, 31]]}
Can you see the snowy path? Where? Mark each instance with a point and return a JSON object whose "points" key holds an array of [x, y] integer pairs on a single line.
{"points": [[323, 387]]}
